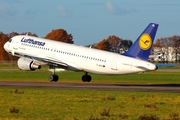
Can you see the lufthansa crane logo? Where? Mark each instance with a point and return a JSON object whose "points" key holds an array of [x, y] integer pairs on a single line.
{"points": [[145, 42]]}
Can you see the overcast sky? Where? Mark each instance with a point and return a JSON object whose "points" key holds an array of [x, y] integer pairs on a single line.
{"points": [[90, 21]]}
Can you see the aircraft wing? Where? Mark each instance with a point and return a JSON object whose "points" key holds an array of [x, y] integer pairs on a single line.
{"points": [[43, 59], [59, 63]]}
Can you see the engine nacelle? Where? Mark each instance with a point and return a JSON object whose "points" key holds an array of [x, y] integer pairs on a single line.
{"points": [[27, 64]]}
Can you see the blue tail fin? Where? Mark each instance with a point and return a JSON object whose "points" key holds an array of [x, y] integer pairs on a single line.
{"points": [[142, 47]]}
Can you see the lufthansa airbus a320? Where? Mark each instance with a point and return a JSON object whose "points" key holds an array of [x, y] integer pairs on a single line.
{"points": [[33, 52]]}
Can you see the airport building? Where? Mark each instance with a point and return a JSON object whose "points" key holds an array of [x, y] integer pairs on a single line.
{"points": [[165, 54]]}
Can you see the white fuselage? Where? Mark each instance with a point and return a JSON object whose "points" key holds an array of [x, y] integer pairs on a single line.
{"points": [[76, 58]]}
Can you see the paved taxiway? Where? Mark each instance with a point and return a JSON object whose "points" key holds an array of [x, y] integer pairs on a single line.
{"points": [[92, 86]]}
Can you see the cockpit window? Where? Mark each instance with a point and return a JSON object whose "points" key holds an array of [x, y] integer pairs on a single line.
{"points": [[10, 40]]}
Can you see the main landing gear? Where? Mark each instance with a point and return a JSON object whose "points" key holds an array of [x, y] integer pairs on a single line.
{"points": [[86, 77], [53, 77]]}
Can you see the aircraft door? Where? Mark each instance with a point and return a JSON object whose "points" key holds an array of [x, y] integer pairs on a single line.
{"points": [[114, 65]]}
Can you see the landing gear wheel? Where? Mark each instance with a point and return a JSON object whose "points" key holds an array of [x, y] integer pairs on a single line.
{"points": [[86, 78], [53, 78]]}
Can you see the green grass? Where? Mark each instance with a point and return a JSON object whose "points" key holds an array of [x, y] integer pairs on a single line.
{"points": [[55, 104], [70, 76]]}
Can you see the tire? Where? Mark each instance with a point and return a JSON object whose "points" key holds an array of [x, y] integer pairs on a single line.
{"points": [[84, 78], [88, 78], [53, 78]]}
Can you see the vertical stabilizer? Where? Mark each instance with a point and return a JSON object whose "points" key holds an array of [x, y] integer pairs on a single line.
{"points": [[142, 47]]}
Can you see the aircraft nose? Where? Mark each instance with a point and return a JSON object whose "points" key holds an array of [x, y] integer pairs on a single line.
{"points": [[6, 46]]}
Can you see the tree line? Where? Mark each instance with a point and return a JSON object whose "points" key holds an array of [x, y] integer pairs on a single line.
{"points": [[112, 43]]}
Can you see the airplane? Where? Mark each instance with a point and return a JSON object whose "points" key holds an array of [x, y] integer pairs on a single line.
{"points": [[35, 52]]}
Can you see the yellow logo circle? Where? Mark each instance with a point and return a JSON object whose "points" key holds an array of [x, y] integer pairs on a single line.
{"points": [[145, 42]]}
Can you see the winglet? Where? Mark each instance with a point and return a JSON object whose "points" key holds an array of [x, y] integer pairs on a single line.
{"points": [[142, 47]]}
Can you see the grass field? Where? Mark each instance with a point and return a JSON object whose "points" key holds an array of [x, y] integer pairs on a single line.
{"points": [[56, 104], [69, 76]]}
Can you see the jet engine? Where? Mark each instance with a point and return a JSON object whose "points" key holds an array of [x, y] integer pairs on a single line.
{"points": [[27, 64]]}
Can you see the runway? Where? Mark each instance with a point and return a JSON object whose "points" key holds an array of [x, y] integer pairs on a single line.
{"points": [[92, 86]]}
